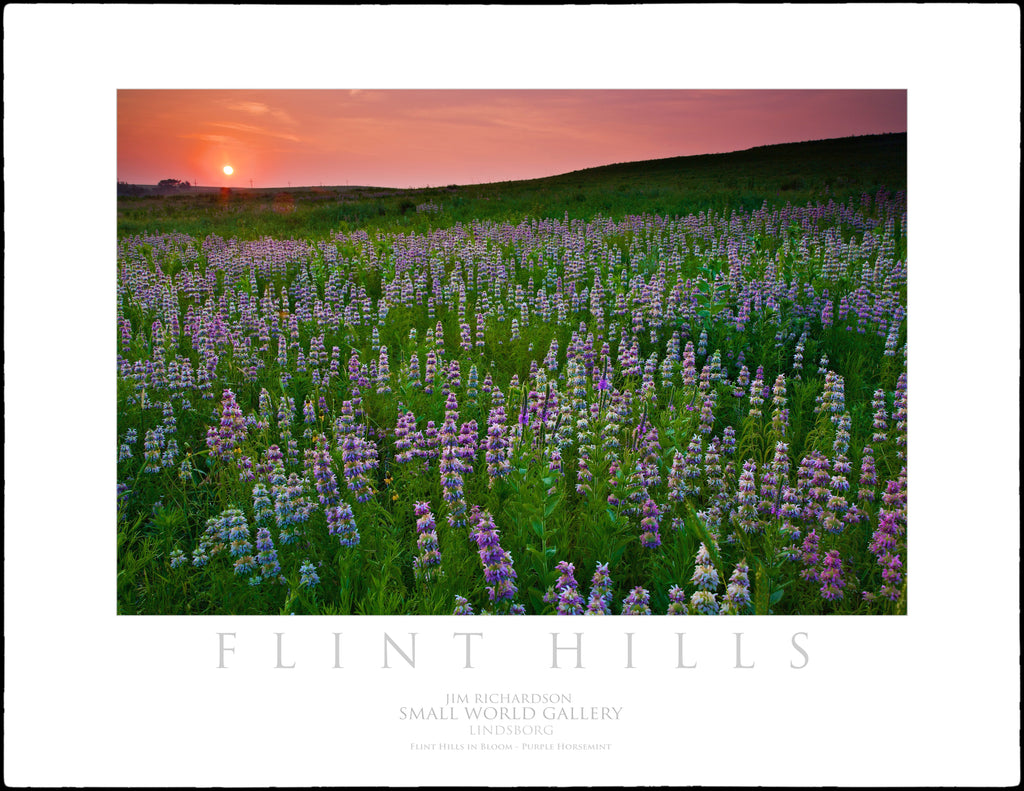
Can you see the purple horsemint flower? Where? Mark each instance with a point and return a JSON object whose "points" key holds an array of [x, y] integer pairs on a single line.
{"points": [[713, 467], [245, 471], [565, 591], [232, 425], [554, 456], [211, 544], [780, 415], [341, 522], [886, 534], [831, 577], [895, 496], [798, 354], [345, 425], [584, 475], [413, 375], [235, 531], [705, 576], [775, 477], [650, 457], [899, 416], [689, 365], [638, 602], [676, 479], [467, 446], [266, 557], [729, 440], [357, 459], [691, 471], [818, 485], [454, 379], [451, 476], [427, 565], [325, 480], [702, 343], [404, 430], [892, 576], [462, 606], [676, 601], [757, 392], [430, 372], [152, 452], [883, 545], [427, 443], [383, 378], [497, 563], [809, 557], [273, 456], [629, 359], [789, 502], [841, 445], [742, 381], [892, 340], [707, 413], [309, 412], [747, 499], [649, 536], [838, 397], [262, 507], [309, 578], [600, 592], [737, 594], [497, 446], [879, 423], [704, 602]]}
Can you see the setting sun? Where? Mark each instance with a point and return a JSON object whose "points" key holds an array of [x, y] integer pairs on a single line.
{"points": [[228, 170]]}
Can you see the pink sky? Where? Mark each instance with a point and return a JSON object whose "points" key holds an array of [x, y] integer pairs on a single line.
{"points": [[416, 138]]}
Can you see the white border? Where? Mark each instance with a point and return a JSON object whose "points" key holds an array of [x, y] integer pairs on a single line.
{"points": [[928, 699]]}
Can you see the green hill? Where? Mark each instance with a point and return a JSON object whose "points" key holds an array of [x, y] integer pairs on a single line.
{"points": [[840, 168]]}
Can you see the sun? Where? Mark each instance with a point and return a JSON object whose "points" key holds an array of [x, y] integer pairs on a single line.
{"points": [[228, 170]]}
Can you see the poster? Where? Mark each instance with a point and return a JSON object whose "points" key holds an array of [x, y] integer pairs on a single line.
{"points": [[261, 701]]}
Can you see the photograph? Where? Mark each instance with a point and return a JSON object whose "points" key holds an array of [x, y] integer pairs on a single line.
{"points": [[556, 375]]}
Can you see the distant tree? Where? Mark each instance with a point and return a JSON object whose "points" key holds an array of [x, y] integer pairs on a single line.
{"points": [[172, 183]]}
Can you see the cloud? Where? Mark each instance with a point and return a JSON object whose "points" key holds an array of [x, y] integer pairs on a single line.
{"points": [[256, 130], [260, 109], [253, 108], [210, 138]]}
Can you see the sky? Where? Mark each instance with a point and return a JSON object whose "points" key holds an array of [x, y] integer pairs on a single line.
{"points": [[419, 138]]}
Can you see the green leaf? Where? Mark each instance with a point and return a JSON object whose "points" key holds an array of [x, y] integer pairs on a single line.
{"points": [[537, 553]]}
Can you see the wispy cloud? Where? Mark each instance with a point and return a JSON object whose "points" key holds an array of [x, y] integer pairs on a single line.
{"points": [[260, 109], [253, 108], [209, 138], [255, 130]]}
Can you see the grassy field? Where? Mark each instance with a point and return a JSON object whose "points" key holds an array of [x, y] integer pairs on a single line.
{"points": [[675, 386], [798, 172]]}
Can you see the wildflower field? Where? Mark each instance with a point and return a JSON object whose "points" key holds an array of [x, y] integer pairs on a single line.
{"points": [[646, 414]]}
